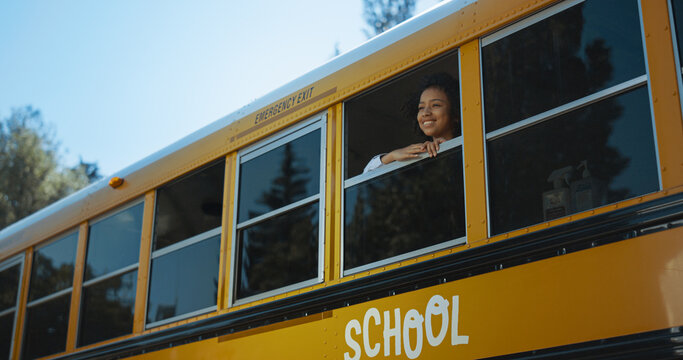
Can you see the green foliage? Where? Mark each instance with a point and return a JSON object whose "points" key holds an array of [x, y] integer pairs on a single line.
{"points": [[30, 174], [382, 15]]}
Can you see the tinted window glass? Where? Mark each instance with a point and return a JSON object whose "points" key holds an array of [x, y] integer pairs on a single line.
{"points": [[412, 208], [107, 309], [189, 206], [185, 280], [678, 17], [281, 176], [6, 331], [53, 267], [584, 49], [280, 251], [46, 326], [118, 234], [9, 285], [599, 154]]}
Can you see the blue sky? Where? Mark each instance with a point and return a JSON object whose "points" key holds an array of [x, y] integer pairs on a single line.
{"points": [[119, 80]]}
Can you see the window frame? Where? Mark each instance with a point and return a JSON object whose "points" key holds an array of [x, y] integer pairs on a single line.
{"points": [[562, 109], [313, 123], [54, 295], [59, 293], [19, 259], [124, 269], [112, 274], [175, 247], [165, 251], [396, 165]]}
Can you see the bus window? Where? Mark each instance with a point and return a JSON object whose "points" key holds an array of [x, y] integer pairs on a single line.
{"points": [[278, 228], [567, 113], [10, 279], [677, 12], [110, 282], [186, 246], [408, 207], [189, 207], [49, 297]]}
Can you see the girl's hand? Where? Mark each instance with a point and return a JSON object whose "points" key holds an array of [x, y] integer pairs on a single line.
{"points": [[407, 153], [432, 147]]}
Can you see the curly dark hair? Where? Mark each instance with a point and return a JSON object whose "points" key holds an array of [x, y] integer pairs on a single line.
{"points": [[445, 83]]}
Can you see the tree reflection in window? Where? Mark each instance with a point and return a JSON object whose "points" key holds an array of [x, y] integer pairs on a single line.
{"points": [[9, 290], [53, 267], [280, 251], [282, 248], [9, 286], [290, 185], [574, 161], [410, 209], [584, 49], [279, 177], [6, 331], [107, 309]]}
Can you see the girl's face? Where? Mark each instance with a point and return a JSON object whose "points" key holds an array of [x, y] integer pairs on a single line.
{"points": [[433, 115]]}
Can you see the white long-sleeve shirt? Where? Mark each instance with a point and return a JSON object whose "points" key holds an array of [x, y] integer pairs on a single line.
{"points": [[374, 163]]}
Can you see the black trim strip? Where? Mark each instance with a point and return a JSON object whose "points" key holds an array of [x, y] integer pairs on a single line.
{"points": [[622, 224], [658, 344]]}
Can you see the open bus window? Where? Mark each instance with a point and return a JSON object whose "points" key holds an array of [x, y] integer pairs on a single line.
{"points": [[567, 113], [383, 119], [278, 227], [110, 282], [412, 206], [187, 229], [49, 297], [10, 280]]}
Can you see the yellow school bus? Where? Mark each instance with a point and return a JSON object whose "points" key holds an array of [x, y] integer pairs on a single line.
{"points": [[331, 220]]}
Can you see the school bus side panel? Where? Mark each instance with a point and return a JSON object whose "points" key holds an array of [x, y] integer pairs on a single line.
{"points": [[622, 288]]}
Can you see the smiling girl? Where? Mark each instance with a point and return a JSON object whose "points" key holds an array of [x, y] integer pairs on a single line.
{"points": [[437, 114]]}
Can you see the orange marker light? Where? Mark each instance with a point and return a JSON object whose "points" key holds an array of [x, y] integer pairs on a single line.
{"points": [[115, 182]]}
